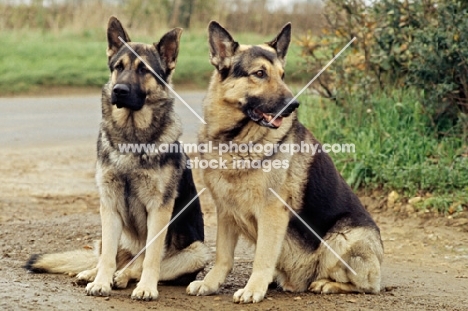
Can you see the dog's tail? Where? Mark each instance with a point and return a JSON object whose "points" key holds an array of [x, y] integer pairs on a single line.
{"points": [[71, 263], [180, 268]]}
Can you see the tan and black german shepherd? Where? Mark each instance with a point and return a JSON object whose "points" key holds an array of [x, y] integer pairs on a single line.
{"points": [[139, 192], [246, 92]]}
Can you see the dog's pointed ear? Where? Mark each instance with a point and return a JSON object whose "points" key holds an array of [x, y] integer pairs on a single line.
{"points": [[168, 48], [222, 46], [114, 31], [281, 42]]}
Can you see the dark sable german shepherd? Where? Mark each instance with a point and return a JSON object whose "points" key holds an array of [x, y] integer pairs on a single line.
{"points": [[139, 192], [246, 92]]}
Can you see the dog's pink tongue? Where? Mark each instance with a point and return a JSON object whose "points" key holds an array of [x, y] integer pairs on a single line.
{"points": [[276, 122]]}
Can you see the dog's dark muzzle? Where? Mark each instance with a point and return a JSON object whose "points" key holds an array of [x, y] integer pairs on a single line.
{"points": [[291, 106], [273, 119], [122, 97]]}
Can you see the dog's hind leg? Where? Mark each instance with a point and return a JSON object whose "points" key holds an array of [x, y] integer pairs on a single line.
{"points": [[187, 261], [132, 272], [86, 276], [362, 250], [226, 240], [175, 269], [327, 286]]}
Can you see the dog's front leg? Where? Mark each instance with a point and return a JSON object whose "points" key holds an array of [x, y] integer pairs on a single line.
{"points": [[158, 218], [272, 225], [226, 241], [111, 231]]}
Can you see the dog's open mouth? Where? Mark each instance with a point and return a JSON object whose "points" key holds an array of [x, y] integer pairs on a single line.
{"points": [[265, 119]]}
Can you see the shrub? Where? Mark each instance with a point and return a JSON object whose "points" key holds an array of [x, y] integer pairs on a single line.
{"points": [[439, 64], [416, 43]]}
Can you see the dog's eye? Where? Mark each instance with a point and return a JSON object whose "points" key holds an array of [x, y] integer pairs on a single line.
{"points": [[143, 70], [260, 73], [119, 67], [282, 76]]}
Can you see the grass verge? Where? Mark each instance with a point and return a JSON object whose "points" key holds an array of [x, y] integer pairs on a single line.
{"points": [[396, 148], [33, 59]]}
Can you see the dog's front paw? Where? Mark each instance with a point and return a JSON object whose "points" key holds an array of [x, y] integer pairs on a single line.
{"points": [[201, 288], [86, 276], [254, 291], [326, 286], [98, 289], [143, 292], [245, 295]]}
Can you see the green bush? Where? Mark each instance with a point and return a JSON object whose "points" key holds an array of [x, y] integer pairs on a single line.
{"points": [[439, 64], [420, 43]]}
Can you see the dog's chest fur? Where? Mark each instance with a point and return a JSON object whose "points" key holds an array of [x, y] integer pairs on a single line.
{"points": [[139, 180], [241, 194]]}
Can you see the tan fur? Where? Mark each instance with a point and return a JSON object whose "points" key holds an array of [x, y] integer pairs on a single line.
{"points": [[245, 206], [141, 119], [126, 61]]}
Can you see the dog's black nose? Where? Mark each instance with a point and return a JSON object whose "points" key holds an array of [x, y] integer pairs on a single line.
{"points": [[293, 104], [121, 90]]}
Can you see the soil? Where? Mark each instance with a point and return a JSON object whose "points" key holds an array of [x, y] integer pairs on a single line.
{"points": [[49, 203]]}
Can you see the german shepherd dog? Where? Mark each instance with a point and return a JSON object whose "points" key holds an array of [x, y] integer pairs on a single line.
{"points": [[139, 192], [245, 93]]}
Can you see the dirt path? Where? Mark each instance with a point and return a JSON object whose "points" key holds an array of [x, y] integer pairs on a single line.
{"points": [[48, 202]]}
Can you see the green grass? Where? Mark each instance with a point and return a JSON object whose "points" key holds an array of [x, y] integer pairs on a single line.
{"points": [[36, 59], [42, 59], [396, 147]]}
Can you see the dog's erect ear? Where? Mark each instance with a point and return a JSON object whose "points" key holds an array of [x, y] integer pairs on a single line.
{"points": [[168, 48], [222, 46], [114, 31], [281, 42]]}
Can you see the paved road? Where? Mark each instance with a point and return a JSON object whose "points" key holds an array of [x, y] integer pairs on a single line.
{"points": [[64, 120]]}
